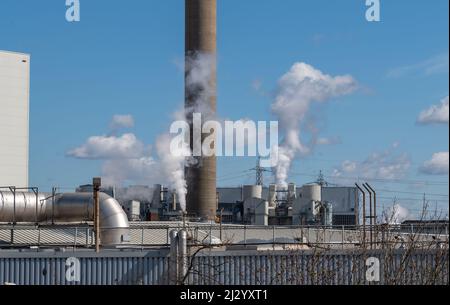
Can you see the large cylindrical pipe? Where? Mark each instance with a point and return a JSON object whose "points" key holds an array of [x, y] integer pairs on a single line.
{"points": [[173, 256], [67, 207], [183, 255], [201, 97]]}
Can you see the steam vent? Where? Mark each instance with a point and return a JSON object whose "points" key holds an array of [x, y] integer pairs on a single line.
{"points": [[201, 42]]}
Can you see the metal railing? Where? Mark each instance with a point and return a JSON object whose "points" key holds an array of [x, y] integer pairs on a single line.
{"points": [[212, 234]]}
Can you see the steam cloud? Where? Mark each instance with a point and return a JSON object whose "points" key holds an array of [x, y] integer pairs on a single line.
{"points": [[200, 67], [128, 161], [298, 89], [139, 193], [172, 166], [395, 215]]}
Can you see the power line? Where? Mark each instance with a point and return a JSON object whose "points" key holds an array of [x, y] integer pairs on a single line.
{"points": [[412, 193], [381, 180], [411, 199], [246, 175]]}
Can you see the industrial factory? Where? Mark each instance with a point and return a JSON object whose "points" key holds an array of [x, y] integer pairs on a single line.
{"points": [[207, 234], [312, 204]]}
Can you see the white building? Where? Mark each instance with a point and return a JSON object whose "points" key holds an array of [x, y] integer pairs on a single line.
{"points": [[14, 112]]}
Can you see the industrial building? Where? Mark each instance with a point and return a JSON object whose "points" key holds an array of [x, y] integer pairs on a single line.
{"points": [[246, 235], [239, 204], [311, 204], [14, 120]]}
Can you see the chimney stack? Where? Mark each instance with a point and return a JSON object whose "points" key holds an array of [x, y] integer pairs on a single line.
{"points": [[201, 41]]}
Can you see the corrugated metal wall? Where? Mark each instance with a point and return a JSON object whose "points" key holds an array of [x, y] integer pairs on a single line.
{"points": [[319, 269], [94, 271], [226, 268]]}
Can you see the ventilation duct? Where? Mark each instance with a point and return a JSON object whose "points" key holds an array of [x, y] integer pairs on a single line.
{"points": [[16, 207]]}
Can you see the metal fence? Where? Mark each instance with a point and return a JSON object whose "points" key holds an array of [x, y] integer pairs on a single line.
{"points": [[158, 235], [225, 268]]}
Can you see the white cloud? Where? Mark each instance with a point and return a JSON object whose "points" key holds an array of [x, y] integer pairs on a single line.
{"points": [[126, 146], [437, 165], [122, 121], [434, 65], [436, 114], [384, 165], [328, 141], [126, 159]]}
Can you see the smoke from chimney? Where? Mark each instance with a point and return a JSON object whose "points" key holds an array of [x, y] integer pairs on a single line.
{"points": [[297, 90]]}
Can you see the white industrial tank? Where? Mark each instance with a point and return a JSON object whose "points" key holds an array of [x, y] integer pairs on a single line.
{"points": [[252, 191], [311, 192]]}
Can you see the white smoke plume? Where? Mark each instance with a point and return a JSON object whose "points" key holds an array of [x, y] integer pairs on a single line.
{"points": [[298, 89], [199, 82], [128, 161], [395, 215], [139, 193], [172, 165]]}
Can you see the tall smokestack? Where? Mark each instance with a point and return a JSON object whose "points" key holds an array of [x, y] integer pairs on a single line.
{"points": [[201, 42]]}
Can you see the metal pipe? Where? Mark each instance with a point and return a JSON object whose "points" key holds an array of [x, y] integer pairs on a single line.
{"points": [[173, 267], [67, 207], [183, 257], [96, 182], [364, 213], [374, 202], [53, 204], [36, 192], [371, 216], [374, 210]]}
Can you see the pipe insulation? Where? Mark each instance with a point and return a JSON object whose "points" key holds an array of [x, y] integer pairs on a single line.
{"points": [[17, 207]]}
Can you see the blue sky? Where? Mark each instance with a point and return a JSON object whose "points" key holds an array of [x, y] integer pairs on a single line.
{"points": [[122, 59]]}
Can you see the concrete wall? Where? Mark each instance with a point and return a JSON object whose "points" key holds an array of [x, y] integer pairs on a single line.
{"points": [[14, 109]]}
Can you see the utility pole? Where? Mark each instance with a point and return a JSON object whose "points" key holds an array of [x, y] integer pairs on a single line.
{"points": [[97, 182], [259, 172], [321, 180]]}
